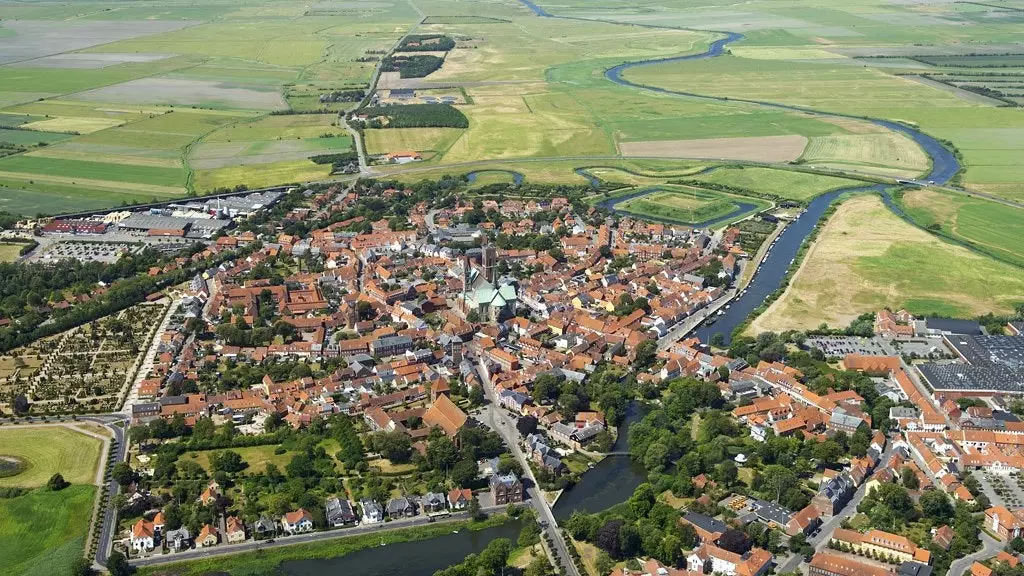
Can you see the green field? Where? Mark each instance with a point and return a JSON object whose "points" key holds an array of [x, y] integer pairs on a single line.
{"points": [[30, 137], [782, 183], [687, 205], [990, 226], [47, 450], [9, 252], [44, 532]]}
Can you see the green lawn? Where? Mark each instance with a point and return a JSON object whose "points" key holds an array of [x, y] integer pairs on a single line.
{"points": [[47, 450], [42, 533]]}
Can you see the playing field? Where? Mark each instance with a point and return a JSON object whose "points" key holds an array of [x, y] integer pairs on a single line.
{"points": [[46, 450], [44, 532], [867, 258], [991, 226]]}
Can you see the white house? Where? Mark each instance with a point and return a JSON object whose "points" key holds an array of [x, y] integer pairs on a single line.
{"points": [[371, 511], [142, 535], [297, 522]]}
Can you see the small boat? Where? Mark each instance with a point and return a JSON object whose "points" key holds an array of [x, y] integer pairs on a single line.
{"points": [[455, 531]]}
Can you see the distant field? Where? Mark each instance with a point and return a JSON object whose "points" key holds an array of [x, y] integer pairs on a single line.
{"points": [[44, 532], [994, 227], [867, 152], [415, 139], [866, 258], [279, 127], [47, 450], [756, 149], [260, 175], [783, 183], [73, 125], [28, 137]]}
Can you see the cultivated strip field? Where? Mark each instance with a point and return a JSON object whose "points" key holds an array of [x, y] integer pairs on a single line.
{"points": [[755, 149]]}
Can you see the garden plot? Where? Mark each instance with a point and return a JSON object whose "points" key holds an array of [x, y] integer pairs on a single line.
{"points": [[88, 365], [34, 39], [173, 91]]}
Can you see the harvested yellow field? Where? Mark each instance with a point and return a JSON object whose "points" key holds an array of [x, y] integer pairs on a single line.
{"points": [[784, 53], [867, 151], [416, 139], [260, 175], [754, 149], [69, 125], [866, 258]]}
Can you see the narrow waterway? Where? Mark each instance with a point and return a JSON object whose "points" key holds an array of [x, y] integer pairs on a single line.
{"points": [[610, 482], [517, 177], [419, 558]]}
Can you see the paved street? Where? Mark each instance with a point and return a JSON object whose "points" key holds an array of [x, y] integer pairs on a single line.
{"points": [[989, 547], [147, 362], [505, 426]]}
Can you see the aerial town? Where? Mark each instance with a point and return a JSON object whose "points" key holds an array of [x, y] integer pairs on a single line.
{"points": [[337, 360]]}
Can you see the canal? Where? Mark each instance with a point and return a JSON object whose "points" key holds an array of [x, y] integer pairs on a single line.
{"points": [[612, 481], [419, 558]]}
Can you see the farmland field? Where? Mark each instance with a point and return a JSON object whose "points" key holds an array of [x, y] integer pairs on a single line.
{"points": [[44, 532], [415, 139], [45, 451], [866, 258], [782, 183], [996, 228]]}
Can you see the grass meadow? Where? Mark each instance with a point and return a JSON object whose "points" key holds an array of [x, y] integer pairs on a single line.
{"points": [[47, 450], [43, 532], [866, 258], [788, 184]]}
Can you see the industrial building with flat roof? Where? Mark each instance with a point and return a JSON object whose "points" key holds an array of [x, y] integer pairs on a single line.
{"points": [[172, 226], [988, 364]]}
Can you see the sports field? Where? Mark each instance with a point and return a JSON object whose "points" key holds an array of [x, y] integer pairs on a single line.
{"points": [[43, 451], [44, 532], [866, 258]]}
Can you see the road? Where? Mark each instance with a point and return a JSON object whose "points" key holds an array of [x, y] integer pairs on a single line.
{"points": [[253, 545], [989, 548], [820, 540], [505, 426], [690, 323]]}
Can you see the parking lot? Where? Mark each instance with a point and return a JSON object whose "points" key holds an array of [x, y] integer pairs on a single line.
{"points": [[843, 345], [86, 251], [1002, 489]]}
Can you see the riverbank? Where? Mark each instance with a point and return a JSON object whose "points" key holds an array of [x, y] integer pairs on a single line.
{"points": [[268, 560]]}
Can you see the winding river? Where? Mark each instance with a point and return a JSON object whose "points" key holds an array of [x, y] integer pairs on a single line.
{"points": [[772, 271], [613, 480]]}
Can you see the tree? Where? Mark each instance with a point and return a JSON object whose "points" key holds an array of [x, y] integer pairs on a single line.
{"points": [[495, 556], [776, 479], [56, 483], [604, 563], [527, 425], [642, 500], [117, 565], [910, 479], [608, 537], [394, 446], [20, 405], [229, 462], [442, 453], [734, 541], [936, 505], [718, 340], [463, 472], [123, 474], [82, 567]]}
